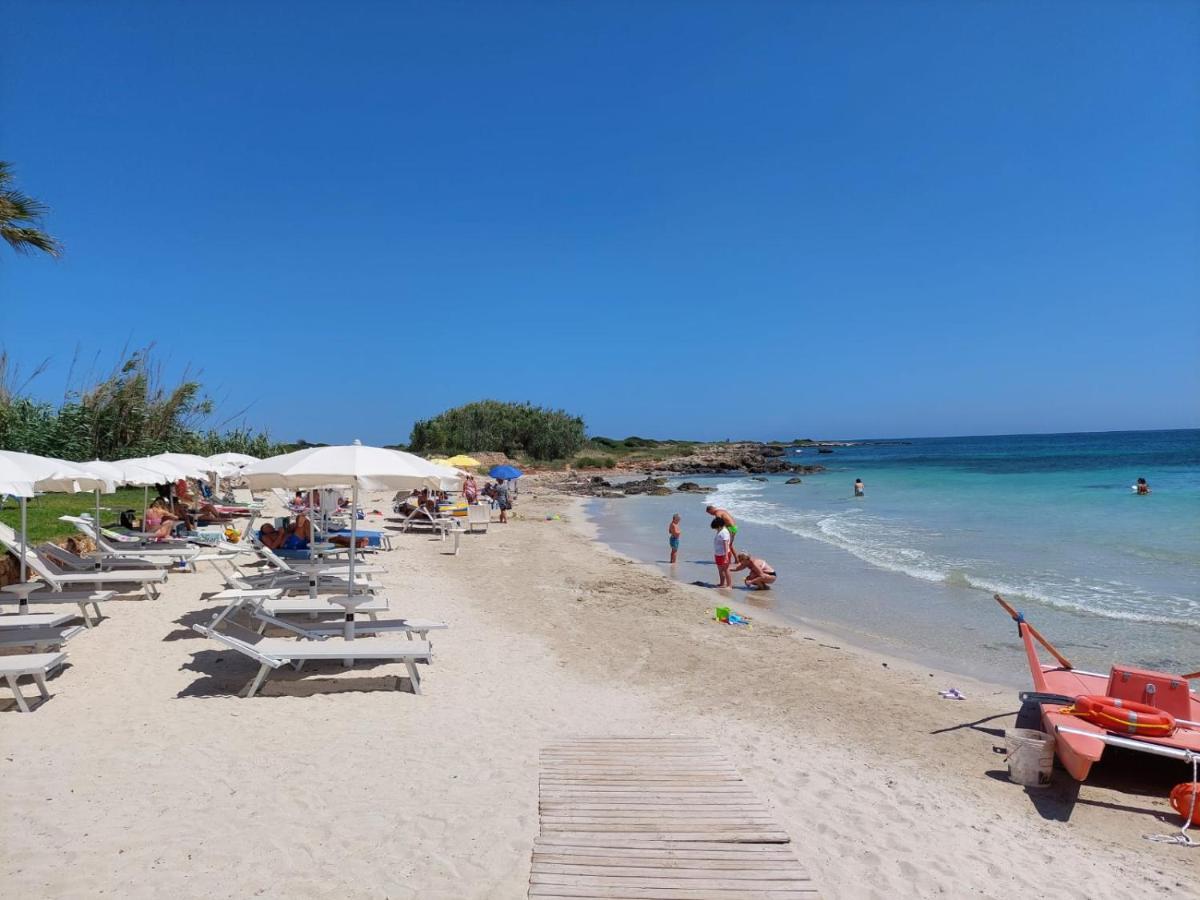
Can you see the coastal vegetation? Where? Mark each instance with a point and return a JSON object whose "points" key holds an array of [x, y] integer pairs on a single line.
{"points": [[131, 411], [21, 218], [519, 430]]}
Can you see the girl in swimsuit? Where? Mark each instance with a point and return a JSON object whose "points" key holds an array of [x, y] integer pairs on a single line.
{"points": [[761, 576]]}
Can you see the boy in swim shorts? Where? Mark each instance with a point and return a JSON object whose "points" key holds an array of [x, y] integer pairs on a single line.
{"points": [[673, 532]]}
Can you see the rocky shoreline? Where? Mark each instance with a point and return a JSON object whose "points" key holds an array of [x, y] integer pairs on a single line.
{"points": [[753, 459]]}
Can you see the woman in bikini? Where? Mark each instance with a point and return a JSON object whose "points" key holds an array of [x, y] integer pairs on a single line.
{"points": [[761, 576]]}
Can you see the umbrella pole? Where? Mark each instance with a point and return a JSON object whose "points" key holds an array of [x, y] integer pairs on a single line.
{"points": [[145, 505], [24, 544], [353, 558], [96, 525]]}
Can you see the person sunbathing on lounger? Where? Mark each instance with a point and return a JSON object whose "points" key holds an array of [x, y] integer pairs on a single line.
{"points": [[160, 520]]}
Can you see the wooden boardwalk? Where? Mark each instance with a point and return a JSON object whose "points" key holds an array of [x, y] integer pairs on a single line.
{"points": [[664, 818]]}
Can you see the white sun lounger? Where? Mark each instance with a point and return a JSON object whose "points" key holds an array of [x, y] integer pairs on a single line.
{"points": [[34, 620], [39, 639], [76, 563], [184, 553], [275, 604], [245, 497], [83, 599], [315, 583], [36, 664], [272, 653], [323, 630], [126, 580]]}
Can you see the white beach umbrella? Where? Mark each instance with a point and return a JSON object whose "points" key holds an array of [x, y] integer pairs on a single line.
{"points": [[229, 465], [236, 459], [24, 474], [148, 470], [449, 478], [193, 466], [371, 468]]}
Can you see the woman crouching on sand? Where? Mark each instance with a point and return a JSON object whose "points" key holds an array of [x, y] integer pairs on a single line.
{"points": [[761, 576]]}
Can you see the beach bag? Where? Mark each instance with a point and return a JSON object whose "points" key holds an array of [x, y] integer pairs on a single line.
{"points": [[127, 519]]}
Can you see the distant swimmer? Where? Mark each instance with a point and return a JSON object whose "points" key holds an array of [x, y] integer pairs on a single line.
{"points": [[673, 533], [761, 576], [1141, 487], [724, 516], [860, 489]]}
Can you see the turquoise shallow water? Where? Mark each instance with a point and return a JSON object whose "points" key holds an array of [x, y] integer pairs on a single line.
{"points": [[1050, 521]]}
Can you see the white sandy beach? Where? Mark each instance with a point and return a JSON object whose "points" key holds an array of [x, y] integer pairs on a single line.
{"points": [[145, 776]]}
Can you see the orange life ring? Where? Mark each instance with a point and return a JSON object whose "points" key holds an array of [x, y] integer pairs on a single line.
{"points": [[1125, 716], [1181, 799]]}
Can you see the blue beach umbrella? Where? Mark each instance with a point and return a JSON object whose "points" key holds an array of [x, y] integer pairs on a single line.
{"points": [[506, 472]]}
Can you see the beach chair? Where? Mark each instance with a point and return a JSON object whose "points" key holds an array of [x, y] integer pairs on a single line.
{"points": [[39, 639], [273, 653], [115, 548], [322, 630], [125, 581], [75, 563], [310, 575], [479, 516], [82, 599], [246, 498], [39, 665]]}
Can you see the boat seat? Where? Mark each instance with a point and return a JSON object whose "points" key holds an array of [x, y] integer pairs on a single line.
{"points": [[1158, 689]]}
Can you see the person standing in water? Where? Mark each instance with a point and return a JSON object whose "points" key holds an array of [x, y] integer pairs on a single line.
{"points": [[1142, 487], [722, 551], [729, 521], [673, 533], [860, 489]]}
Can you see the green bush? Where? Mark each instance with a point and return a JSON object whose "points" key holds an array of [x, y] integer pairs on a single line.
{"points": [[128, 413], [594, 462], [514, 429]]}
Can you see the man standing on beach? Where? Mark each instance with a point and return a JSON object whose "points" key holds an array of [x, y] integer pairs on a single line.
{"points": [[729, 520], [673, 533]]}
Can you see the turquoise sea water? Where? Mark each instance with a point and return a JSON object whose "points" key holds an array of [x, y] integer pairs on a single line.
{"points": [[1049, 521]]}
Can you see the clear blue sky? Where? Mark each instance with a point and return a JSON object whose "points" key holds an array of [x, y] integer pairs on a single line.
{"points": [[687, 219]]}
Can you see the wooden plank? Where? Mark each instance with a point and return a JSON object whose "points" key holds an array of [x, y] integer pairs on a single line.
{"points": [[731, 835], [552, 807], [740, 873], [660, 849], [563, 891], [702, 883], [700, 860], [683, 814], [724, 791]]}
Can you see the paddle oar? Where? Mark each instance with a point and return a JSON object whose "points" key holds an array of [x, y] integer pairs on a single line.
{"points": [[1020, 620], [1129, 744], [1191, 675]]}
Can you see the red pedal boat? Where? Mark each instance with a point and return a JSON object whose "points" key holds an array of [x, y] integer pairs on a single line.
{"points": [[1123, 695]]}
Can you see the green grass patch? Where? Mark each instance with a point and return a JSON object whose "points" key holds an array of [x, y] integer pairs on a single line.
{"points": [[45, 509]]}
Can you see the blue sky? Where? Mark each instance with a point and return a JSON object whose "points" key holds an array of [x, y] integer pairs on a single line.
{"points": [[686, 219]]}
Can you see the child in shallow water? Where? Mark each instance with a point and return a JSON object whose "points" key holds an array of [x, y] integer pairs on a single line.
{"points": [[722, 551]]}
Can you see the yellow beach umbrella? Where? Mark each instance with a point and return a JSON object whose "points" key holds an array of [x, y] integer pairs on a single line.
{"points": [[462, 461]]}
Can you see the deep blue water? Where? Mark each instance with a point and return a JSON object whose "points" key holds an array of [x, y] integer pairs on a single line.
{"points": [[1050, 521]]}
